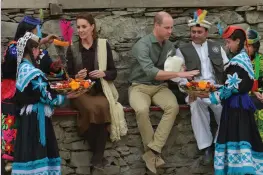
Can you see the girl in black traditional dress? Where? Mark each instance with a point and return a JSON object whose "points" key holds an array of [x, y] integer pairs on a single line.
{"points": [[239, 149], [36, 149], [8, 68]]}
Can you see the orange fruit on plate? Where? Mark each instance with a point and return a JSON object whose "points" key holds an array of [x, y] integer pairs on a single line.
{"points": [[86, 84], [202, 85]]}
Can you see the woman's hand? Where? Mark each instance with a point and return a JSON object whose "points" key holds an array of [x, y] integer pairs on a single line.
{"points": [[56, 65], [82, 74], [48, 39], [97, 74], [259, 96]]}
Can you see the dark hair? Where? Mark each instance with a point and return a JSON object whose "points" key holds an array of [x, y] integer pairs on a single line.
{"points": [[22, 28], [198, 25], [89, 17], [30, 44], [253, 35], [241, 35]]}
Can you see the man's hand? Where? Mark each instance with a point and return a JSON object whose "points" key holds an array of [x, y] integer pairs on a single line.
{"points": [[188, 74]]}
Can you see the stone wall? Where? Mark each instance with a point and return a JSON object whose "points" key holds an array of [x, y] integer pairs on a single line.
{"points": [[180, 152], [123, 27]]}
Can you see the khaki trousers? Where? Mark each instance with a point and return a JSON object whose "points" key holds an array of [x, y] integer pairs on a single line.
{"points": [[141, 97]]}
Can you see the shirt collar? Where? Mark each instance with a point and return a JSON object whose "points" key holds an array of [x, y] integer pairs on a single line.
{"points": [[153, 38], [93, 47], [200, 45]]}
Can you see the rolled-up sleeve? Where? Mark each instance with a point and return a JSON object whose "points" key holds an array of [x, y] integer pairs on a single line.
{"points": [[141, 51]]}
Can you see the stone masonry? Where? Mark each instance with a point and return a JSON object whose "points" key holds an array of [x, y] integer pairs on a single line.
{"points": [[122, 28]]}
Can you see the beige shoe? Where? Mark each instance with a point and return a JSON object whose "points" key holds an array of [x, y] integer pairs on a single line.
{"points": [[150, 159], [159, 161]]}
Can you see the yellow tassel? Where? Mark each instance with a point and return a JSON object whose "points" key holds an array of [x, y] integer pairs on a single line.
{"points": [[202, 16]]}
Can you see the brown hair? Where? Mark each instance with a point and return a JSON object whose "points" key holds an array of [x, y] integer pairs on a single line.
{"points": [[89, 17]]}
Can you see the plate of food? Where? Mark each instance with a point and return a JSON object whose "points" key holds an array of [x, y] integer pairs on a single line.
{"points": [[72, 85], [202, 86]]}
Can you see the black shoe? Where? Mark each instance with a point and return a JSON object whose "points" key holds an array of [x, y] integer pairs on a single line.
{"points": [[97, 169], [105, 162]]}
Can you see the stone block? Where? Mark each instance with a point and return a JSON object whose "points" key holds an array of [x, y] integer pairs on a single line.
{"points": [[80, 159], [260, 7], [55, 9], [181, 20], [260, 27], [245, 8], [254, 17], [59, 133], [231, 17], [64, 155], [83, 170], [4, 18], [65, 170], [68, 123], [71, 137], [112, 170], [8, 29], [132, 171], [76, 146]]}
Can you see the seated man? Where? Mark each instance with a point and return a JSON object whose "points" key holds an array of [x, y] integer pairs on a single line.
{"points": [[210, 58], [147, 86]]}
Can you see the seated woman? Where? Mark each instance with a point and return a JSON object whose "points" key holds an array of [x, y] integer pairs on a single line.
{"points": [[257, 62], [36, 149], [9, 71], [91, 58]]}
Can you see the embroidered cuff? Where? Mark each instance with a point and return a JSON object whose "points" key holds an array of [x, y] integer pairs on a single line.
{"points": [[58, 75], [58, 101], [214, 97]]}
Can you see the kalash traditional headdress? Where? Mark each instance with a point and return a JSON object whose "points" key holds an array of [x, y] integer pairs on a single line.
{"points": [[21, 44], [199, 19], [35, 22], [252, 36]]}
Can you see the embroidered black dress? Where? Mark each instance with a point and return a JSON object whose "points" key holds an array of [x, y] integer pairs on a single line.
{"points": [[8, 108], [239, 149], [36, 150]]}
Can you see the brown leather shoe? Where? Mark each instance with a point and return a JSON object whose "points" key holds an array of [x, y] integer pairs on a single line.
{"points": [[159, 161], [150, 159]]}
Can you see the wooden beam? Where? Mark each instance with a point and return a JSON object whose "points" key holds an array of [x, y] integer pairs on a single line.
{"points": [[100, 4]]}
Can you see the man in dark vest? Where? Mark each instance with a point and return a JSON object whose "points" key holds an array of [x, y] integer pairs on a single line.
{"points": [[210, 58]]}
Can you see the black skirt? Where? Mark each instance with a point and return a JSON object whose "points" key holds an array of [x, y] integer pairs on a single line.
{"points": [[239, 149], [31, 157]]}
